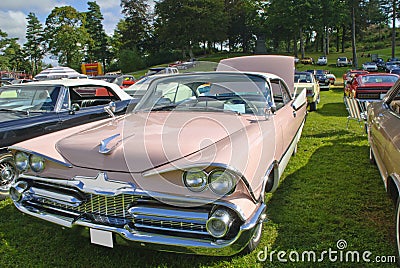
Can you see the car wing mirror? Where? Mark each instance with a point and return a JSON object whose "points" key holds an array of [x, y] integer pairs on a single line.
{"points": [[74, 108], [269, 110], [300, 100], [110, 109]]}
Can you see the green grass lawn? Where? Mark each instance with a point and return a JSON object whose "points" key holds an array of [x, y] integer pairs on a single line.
{"points": [[329, 192]]}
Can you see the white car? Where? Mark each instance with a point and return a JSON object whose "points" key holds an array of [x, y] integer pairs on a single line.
{"points": [[370, 66], [342, 61], [332, 78], [322, 60]]}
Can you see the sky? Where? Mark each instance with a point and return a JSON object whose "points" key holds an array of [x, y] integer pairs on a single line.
{"points": [[13, 13]]}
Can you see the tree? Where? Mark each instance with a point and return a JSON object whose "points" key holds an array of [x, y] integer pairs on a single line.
{"points": [[97, 46], [34, 47], [135, 33], [66, 35], [183, 24]]}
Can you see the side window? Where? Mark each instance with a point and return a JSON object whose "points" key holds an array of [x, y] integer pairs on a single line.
{"points": [[280, 93], [92, 95]]}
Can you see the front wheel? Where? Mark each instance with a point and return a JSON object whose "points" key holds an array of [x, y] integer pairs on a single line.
{"points": [[8, 172]]}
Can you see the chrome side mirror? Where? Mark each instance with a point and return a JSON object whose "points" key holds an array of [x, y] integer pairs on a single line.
{"points": [[110, 109], [74, 108]]}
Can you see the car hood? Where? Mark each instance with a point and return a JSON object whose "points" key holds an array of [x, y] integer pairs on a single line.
{"points": [[142, 141]]}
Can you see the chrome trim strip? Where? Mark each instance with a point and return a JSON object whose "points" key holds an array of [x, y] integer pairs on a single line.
{"points": [[16, 148], [55, 197], [178, 214]]}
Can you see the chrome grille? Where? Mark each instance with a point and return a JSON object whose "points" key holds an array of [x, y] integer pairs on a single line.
{"points": [[138, 211]]}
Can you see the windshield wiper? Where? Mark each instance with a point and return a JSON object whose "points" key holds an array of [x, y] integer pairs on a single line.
{"points": [[209, 108], [168, 107]]}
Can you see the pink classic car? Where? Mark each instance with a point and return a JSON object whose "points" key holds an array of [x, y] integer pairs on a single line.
{"points": [[186, 171]]}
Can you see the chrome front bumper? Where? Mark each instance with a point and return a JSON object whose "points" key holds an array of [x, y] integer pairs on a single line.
{"points": [[142, 223]]}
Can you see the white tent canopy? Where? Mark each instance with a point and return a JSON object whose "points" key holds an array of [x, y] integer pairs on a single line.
{"points": [[58, 73]]}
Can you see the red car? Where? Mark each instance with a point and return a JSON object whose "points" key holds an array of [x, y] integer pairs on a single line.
{"points": [[371, 86], [349, 75]]}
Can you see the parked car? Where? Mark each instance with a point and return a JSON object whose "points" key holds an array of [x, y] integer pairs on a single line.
{"points": [[332, 78], [323, 81], [184, 172], [371, 86], [383, 120], [36, 108], [322, 60], [342, 62], [122, 80], [308, 81], [349, 75], [380, 63], [395, 71], [162, 70], [138, 89], [370, 66], [307, 60], [391, 65]]}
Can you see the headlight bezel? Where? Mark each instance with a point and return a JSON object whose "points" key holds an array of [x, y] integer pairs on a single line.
{"points": [[40, 160], [190, 186], [17, 162], [232, 181], [209, 183]]}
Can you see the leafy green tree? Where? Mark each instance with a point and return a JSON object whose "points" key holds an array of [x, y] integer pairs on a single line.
{"points": [[243, 16], [97, 46], [184, 24], [134, 34], [66, 35], [34, 47]]}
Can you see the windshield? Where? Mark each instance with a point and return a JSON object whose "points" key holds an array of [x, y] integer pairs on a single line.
{"points": [[140, 87], [302, 78], [211, 92], [29, 98], [372, 79]]}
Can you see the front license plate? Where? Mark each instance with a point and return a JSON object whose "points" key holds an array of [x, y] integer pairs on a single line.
{"points": [[102, 238]]}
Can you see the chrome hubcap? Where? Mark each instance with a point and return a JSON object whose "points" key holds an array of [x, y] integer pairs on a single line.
{"points": [[7, 174]]}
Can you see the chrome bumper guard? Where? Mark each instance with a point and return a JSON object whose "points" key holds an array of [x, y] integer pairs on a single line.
{"points": [[142, 223]]}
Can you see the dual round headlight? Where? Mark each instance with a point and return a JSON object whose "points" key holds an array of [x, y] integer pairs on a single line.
{"points": [[220, 181], [24, 161]]}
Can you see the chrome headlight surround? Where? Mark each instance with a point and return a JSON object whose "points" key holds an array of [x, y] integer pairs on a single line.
{"points": [[219, 223], [222, 182], [37, 163], [21, 161], [195, 179]]}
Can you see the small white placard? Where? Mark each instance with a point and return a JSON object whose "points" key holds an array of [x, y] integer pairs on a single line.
{"points": [[382, 95], [102, 238], [240, 108]]}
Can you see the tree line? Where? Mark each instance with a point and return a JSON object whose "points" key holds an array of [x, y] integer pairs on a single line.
{"points": [[171, 30]]}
